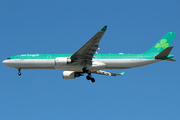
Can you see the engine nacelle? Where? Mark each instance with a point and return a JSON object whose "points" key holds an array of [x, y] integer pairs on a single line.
{"points": [[71, 74], [62, 61]]}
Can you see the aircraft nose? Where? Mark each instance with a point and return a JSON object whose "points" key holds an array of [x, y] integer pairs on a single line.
{"points": [[10, 63], [5, 62]]}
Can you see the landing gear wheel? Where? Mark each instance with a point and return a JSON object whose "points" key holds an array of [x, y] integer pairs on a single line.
{"points": [[19, 74], [92, 80], [88, 77]]}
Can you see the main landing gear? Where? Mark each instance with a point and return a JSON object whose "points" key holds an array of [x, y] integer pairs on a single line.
{"points": [[88, 77], [19, 73]]}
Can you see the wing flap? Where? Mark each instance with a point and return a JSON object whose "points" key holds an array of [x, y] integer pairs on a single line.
{"points": [[101, 72]]}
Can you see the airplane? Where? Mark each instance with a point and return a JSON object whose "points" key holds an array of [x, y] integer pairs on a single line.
{"points": [[87, 61]]}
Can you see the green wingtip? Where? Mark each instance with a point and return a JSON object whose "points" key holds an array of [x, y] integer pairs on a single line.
{"points": [[122, 73], [104, 28]]}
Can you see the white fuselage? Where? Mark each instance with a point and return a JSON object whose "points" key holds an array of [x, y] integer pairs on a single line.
{"points": [[97, 64]]}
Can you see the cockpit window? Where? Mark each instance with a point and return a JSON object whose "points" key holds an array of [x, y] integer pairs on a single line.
{"points": [[8, 58]]}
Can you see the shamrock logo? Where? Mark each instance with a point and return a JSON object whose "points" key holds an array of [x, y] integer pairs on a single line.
{"points": [[162, 44]]}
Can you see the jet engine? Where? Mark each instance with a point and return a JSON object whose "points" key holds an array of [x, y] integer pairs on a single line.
{"points": [[71, 74], [62, 61]]}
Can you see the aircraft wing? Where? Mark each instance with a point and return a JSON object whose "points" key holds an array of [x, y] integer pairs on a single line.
{"points": [[87, 51], [108, 73]]}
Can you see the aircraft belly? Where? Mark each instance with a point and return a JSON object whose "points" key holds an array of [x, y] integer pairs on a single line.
{"points": [[77, 68], [126, 63]]}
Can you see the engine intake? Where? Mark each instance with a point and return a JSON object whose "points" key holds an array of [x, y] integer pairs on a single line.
{"points": [[71, 74]]}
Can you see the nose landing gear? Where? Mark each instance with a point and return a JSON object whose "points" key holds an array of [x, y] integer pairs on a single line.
{"points": [[19, 73]]}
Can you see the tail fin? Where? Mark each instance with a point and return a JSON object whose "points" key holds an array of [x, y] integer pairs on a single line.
{"points": [[162, 44]]}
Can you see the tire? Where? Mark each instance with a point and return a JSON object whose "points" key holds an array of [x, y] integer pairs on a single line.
{"points": [[19, 74], [88, 77], [92, 80]]}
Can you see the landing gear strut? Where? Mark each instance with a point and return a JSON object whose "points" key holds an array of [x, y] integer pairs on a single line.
{"points": [[85, 70], [88, 77], [19, 73]]}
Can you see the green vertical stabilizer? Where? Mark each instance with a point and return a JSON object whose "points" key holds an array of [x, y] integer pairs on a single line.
{"points": [[162, 44]]}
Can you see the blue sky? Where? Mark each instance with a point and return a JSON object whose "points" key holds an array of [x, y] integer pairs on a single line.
{"points": [[44, 27]]}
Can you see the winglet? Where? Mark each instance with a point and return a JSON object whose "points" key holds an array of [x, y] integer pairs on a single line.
{"points": [[122, 73], [104, 28]]}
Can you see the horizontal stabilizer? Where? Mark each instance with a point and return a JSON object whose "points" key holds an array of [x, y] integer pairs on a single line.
{"points": [[164, 53], [170, 59]]}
